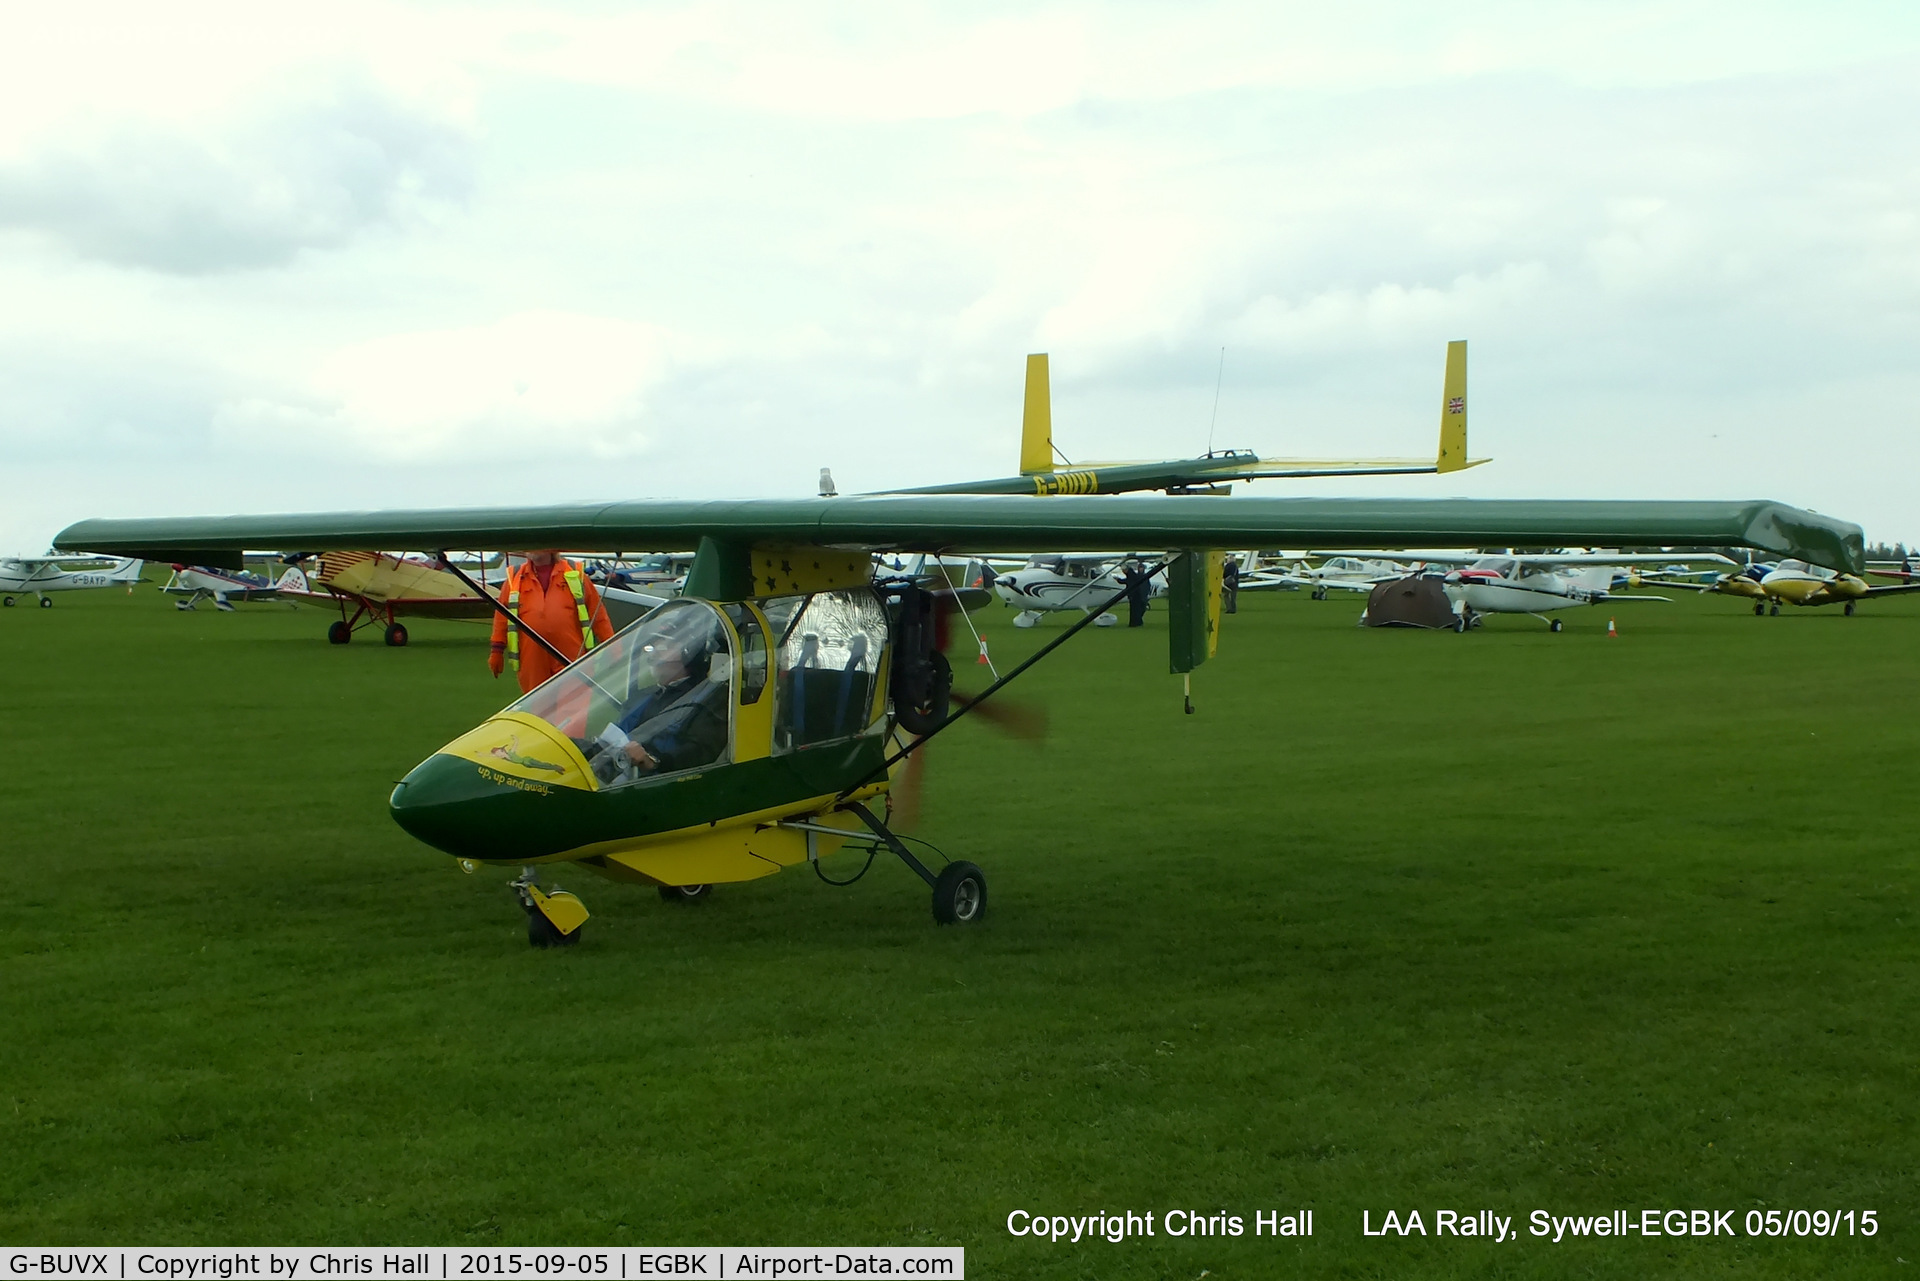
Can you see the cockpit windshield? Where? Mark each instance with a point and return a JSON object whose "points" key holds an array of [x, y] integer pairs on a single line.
{"points": [[1504, 566], [651, 701]]}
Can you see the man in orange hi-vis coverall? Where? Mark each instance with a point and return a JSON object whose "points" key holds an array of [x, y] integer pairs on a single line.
{"points": [[550, 595]]}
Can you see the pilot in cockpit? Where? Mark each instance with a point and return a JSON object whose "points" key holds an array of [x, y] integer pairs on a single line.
{"points": [[680, 722]]}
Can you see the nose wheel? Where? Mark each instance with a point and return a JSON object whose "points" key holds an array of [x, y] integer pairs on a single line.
{"points": [[554, 917]]}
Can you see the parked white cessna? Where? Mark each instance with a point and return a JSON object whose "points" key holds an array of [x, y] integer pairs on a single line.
{"points": [[1055, 581], [1537, 584], [39, 575]]}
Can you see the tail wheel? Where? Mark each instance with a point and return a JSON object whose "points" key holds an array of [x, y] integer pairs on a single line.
{"points": [[396, 635], [959, 894], [686, 893], [339, 633]]}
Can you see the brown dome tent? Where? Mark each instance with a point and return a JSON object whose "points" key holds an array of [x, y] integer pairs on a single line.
{"points": [[1419, 601]]}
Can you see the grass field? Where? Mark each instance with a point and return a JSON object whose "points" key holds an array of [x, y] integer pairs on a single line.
{"points": [[1509, 920]]}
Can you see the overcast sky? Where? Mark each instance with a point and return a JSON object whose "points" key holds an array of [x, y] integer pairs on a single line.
{"points": [[365, 254]]}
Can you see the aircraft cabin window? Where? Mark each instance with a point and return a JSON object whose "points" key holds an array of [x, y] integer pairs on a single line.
{"points": [[653, 700], [829, 658]]}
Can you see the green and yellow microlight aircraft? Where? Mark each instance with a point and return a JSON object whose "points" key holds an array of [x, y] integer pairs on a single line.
{"points": [[752, 724]]}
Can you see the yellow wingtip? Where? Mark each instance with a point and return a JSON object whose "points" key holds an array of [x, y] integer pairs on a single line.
{"points": [[1036, 419], [1453, 412]]}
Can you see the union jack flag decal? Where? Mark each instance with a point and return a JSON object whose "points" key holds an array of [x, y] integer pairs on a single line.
{"points": [[1457, 405]]}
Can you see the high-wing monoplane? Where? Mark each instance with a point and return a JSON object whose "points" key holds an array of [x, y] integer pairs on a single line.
{"points": [[1057, 581], [751, 725], [380, 588], [20, 575], [1341, 573], [1039, 474], [1541, 583]]}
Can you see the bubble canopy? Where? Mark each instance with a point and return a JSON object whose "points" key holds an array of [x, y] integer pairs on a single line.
{"points": [[660, 685]]}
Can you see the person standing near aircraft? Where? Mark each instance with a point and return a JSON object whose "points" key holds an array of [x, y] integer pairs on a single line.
{"points": [[548, 594], [1139, 584], [1230, 586]]}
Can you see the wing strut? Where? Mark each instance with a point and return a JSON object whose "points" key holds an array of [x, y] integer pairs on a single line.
{"points": [[487, 596]]}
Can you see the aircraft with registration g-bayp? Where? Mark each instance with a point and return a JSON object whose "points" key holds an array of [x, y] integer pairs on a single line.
{"points": [[38, 575], [753, 723]]}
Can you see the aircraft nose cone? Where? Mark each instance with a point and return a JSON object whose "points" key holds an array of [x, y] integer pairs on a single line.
{"points": [[437, 803]]}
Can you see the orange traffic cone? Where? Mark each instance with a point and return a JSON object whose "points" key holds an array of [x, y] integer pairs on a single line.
{"points": [[982, 660], [1610, 629]]}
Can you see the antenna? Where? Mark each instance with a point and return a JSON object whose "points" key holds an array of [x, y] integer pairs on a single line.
{"points": [[1217, 375]]}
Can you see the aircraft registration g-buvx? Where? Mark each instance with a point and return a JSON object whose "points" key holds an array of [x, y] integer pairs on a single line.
{"points": [[746, 727]]}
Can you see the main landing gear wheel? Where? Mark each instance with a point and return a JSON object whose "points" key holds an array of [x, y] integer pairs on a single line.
{"points": [[686, 893], [396, 635], [46, 602], [1849, 609], [1554, 624], [1319, 593], [959, 894], [1759, 609], [339, 634], [7, 601], [1774, 610]]}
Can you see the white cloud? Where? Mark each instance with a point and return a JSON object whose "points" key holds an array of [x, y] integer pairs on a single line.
{"points": [[708, 248], [311, 168], [528, 382]]}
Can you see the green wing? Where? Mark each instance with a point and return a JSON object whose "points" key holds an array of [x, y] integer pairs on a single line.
{"points": [[989, 523]]}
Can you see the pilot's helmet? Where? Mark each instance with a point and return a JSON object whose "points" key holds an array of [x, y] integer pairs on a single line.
{"points": [[696, 634]]}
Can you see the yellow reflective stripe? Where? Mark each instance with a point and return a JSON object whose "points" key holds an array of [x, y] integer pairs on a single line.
{"points": [[513, 628], [580, 603]]}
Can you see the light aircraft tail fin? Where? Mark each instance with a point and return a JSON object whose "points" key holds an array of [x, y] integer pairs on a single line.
{"points": [[1453, 411], [127, 571], [1036, 419], [1596, 579], [293, 580]]}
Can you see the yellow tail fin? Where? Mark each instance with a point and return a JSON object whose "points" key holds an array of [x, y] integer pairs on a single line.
{"points": [[1036, 421], [1453, 411]]}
